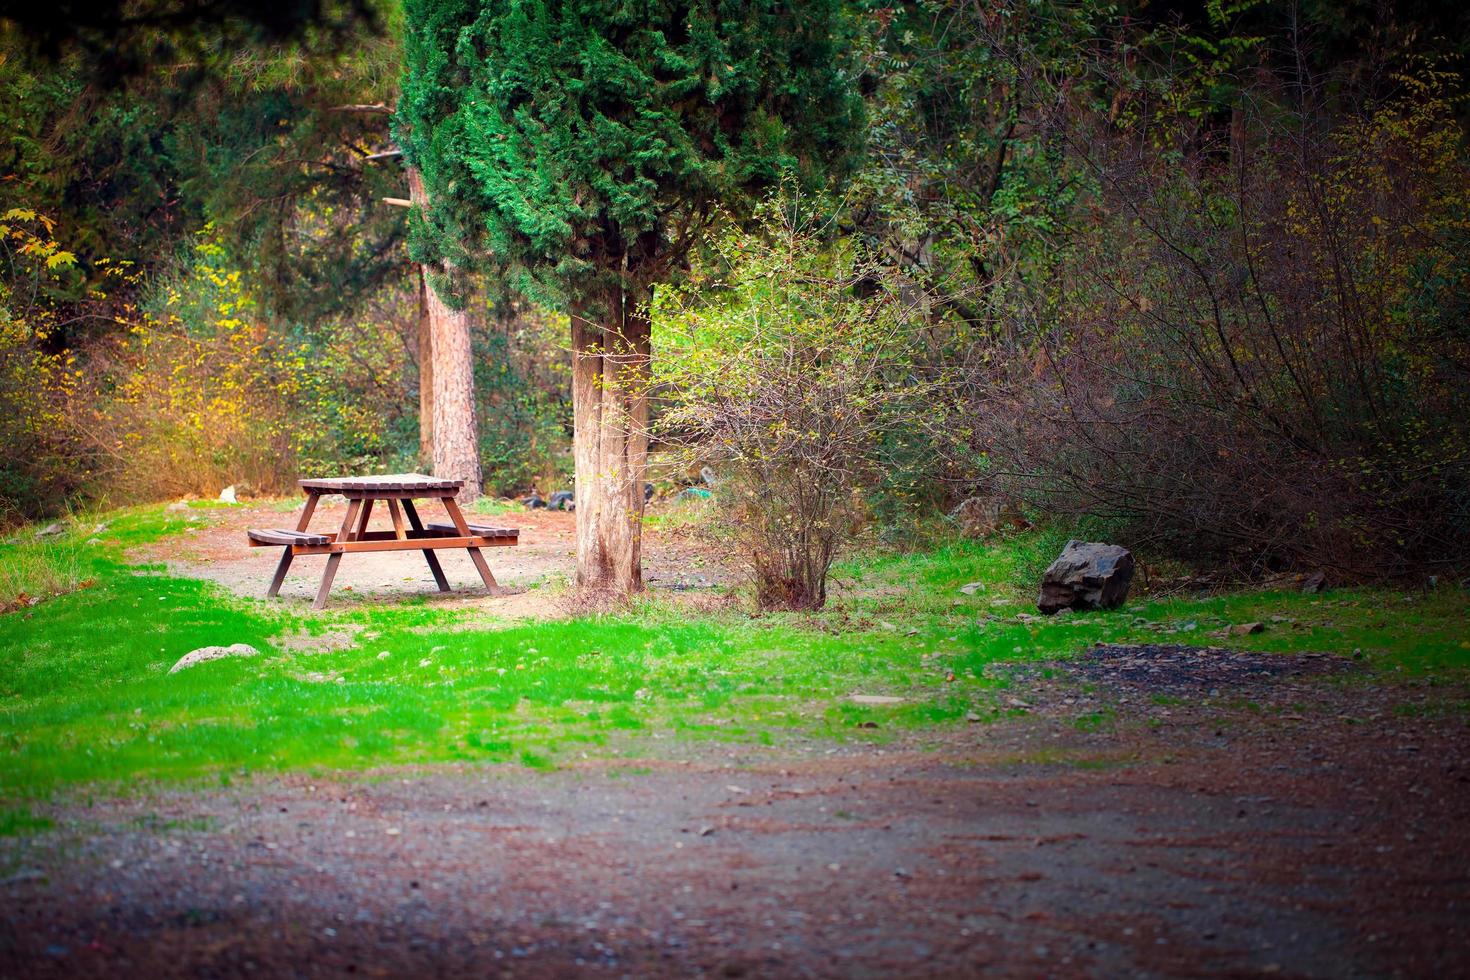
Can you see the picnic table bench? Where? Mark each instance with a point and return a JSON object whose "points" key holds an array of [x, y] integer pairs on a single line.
{"points": [[398, 491]]}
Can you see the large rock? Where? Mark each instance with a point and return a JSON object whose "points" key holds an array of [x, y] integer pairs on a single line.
{"points": [[1087, 575], [204, 654]]}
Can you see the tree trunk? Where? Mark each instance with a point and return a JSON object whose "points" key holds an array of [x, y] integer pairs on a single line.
{"points": [[426, 375], [610, 352], [452, 387]]}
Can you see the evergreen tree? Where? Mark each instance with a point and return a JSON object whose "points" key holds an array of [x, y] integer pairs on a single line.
{"points": [[580, 147]]}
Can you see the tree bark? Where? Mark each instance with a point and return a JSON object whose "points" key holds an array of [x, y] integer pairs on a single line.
{"points": [[610, 354], [426, 375], [455, 438]]}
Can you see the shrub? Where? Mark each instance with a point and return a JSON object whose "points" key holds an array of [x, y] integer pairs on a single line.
{"points": [[1259, 353], [790, 377]]}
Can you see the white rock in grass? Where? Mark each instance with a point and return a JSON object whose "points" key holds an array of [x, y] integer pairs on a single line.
{"points": [[50, 530], [227, 495], [213, 653], [875, 699]]}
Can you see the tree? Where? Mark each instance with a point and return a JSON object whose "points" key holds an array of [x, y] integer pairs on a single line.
{"points": [[454, 436], [581, 147]]}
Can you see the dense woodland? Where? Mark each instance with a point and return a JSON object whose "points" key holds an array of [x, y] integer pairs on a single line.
{"points": [[1191, 273]]}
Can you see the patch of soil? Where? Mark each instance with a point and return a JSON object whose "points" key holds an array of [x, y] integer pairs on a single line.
{"points": [[1179, 669], [1327, 839], [529, 573]]}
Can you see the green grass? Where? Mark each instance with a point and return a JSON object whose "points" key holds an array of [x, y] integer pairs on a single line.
{"points": [[86, 697], [496, 505], [33, 569]]}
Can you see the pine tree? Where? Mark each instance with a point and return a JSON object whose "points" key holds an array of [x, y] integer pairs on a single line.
{"points": [[580, 147]]}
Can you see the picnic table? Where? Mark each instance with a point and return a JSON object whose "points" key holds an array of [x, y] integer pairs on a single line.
{"points": [[398, 490]]}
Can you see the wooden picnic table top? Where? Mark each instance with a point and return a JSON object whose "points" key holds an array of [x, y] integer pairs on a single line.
{"points": [[407, 483]]}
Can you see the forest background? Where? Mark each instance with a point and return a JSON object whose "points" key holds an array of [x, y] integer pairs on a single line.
{"points": [[1194, 274]]}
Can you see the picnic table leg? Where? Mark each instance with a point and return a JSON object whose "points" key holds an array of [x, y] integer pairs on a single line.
{"points": [[397, 516], [457, 516], [286, 554], [280, 575], [335, 558], [429, 556], [362, 522]]}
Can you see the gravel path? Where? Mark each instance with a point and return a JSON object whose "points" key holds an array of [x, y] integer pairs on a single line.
{"points": [[1327, 838]]}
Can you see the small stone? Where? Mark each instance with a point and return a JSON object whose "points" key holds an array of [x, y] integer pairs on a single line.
{"points": [[1246, 629], [51, 530], [204, 654], [227, 495], [972, 587], [875, 699]]}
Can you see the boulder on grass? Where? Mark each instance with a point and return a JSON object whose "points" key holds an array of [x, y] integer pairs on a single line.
{"points": [[1087, 575]]}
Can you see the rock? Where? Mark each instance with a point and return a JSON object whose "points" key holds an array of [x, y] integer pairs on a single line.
{"points": [[227, 495], [1314, 583], [972, 587], [980, 517], [213, 653], [1246, 629], [875, 699], [1087, 575], [51, 530]]}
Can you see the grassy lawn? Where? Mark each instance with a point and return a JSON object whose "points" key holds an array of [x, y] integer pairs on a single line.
{"points": [[86, 697]]}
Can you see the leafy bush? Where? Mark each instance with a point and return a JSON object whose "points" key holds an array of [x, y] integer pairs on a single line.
{"points": [[791, 377]]}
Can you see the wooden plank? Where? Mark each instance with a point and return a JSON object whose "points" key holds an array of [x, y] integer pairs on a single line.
{"points": [[457, 516], [404, 494], [397, 516], [367, 510], [429, 556], [479, 530], [381, 483], [280, 576], [468, 542], [263, 537], [308, 510], [330, 572]]}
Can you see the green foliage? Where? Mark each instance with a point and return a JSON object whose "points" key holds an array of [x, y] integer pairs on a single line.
{"points": [[523, 391], [791, 368], [581, 143]]}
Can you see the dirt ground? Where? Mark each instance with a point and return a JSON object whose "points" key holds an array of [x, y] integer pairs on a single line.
{"points": [[216, 550], [1269, 816], [1302, 824]]}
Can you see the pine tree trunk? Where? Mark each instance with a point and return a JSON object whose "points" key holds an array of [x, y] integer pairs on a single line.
{"points": [[610, 351], [426, 375], [452, 387]]}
